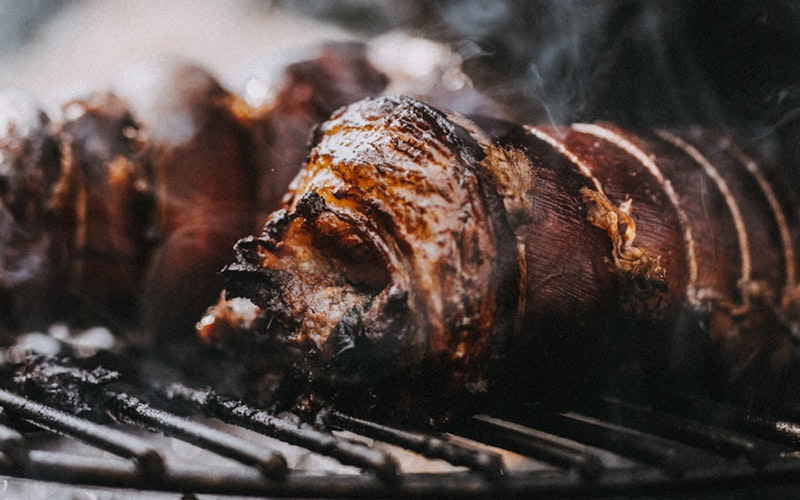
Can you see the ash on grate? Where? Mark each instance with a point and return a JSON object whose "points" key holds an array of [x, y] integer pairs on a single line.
{"points": [[60, 383]]}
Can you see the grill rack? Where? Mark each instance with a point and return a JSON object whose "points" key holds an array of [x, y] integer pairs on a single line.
{"points": [[611, 446]]}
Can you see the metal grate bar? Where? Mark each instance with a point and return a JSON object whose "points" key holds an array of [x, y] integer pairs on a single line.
{"points": [[134, 411], [720, 477], [671, 452], [781, 431], [534, 443], [147, 458], [672, 457], [487, 463], [12, 444], [70, 469], [772, 429], [716, 439], [236, 412]]}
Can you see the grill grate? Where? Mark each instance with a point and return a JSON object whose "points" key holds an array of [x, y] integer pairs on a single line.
{"points": [[609, 446]]}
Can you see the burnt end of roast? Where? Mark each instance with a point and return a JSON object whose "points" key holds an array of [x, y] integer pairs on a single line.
{"points": [[390, 246]]}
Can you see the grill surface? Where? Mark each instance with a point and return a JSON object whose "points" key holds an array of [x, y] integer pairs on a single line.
{"points": [[196, 441]]}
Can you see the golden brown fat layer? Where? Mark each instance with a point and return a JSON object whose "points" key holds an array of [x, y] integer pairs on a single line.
{"points": [[528, 284]]}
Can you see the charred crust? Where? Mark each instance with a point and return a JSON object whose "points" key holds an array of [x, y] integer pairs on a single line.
{"points": [[59, 383], [258, 284], [273, 229], [244, 279], [310, 205], [247, 250], [349, 349], [458, 137]]}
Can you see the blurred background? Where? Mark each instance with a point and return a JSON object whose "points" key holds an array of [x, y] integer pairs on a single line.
{"points": [[54, 47], [725, 64]]}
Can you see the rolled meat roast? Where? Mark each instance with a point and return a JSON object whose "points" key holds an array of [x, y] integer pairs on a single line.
{"points": [[424, 263]]}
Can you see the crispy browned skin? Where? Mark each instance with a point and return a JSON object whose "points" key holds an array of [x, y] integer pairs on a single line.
{"points": [[307, 92], [420, 264]]}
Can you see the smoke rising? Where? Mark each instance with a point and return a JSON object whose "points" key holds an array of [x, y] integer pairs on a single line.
{"points": [[733, 65]]}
